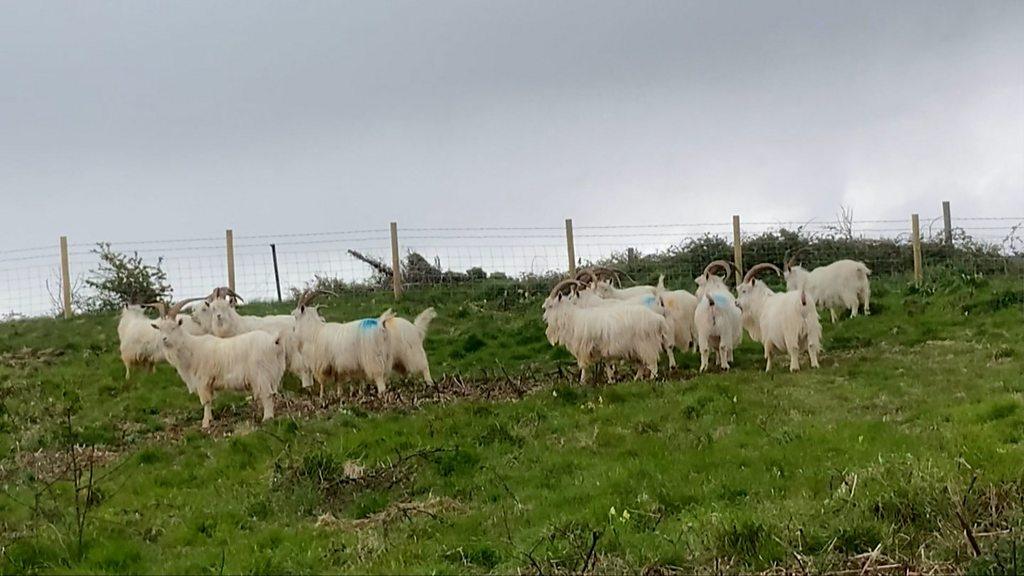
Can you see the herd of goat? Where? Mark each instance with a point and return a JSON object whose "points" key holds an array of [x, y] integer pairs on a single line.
{"points": [[213, 347]]}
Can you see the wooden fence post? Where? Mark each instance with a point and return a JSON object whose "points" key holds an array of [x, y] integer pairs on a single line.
{"points": [[396, 263], [737, 248], [916, 237], [570, 245], [947, 223], [229, 237], [277, 277], [65, 276]]}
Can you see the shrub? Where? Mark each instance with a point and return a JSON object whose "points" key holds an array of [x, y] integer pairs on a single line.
{"points": [[122, 279]]}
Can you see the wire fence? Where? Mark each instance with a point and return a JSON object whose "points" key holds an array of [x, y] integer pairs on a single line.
{"points": [[31, 278]]}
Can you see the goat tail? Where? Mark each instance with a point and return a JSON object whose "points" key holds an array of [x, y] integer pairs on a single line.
{"points": [[422, 321]]}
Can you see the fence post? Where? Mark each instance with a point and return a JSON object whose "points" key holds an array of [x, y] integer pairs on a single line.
{"points": [[916, 236], [229, 237], [396, 263], [65, 276], [570, 246], [947, 223], [737, 248], [277, 277]]}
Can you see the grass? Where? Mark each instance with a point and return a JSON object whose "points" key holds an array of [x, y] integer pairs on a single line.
{"points": [[914, 420]]}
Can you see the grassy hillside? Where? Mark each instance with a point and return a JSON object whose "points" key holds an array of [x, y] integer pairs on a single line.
{"points": [[912, 428]]}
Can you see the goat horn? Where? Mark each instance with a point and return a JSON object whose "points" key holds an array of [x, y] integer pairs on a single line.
{"points": [[725, 266], [232, 293], [173, 312], [159, 307], [757, 268], [791, 260], [216, 294], [309, 295], [561, 285]]}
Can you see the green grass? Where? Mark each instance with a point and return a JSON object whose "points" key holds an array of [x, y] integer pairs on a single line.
{"points": [[915, 415]]}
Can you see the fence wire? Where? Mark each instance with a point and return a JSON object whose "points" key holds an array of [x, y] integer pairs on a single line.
{"points": [[30, 278]]}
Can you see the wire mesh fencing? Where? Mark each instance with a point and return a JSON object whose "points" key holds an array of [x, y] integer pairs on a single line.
{"points": [[270, 267]]}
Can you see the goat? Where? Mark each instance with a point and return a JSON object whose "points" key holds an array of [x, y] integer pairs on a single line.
{"points": [[630, 332], [590, 298], [138, 345], [225, 321], [330, 350], [407, 344], [841, 284], [717, 318], [253, 361], [784, 321]]}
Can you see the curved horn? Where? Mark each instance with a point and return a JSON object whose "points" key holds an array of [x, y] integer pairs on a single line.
{"points": [[611, 273], [561, 285], [757, 268], [159, 307], [586, 276], [173, 312], [725, 266], [232, 293], [791, 260], [306, 298], [309, 295]]}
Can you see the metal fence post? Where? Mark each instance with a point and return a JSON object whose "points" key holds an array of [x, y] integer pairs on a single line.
{"points": [[737, 248], [65, 276], [277, 277], [570, 246], [947, 223], [229, 237], [396, 263], [916, 236]]}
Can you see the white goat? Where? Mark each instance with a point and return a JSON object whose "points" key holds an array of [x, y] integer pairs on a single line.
{"points": [[139, 345], [407, 344], [587, 297], [841, 284], [253, 361], [784, 321], [717, 318], [333, 351], [630, 332], [679, 309], [225, 321]]}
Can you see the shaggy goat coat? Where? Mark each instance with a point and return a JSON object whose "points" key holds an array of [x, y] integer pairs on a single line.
{"points": [[786, 321], [843, 284], [253, 361]]}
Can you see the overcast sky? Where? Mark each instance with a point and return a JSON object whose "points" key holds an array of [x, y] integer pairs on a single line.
{"points": [[289, 116]]}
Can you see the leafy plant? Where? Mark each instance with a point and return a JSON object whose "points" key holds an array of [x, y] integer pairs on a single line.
{"points": [[122, 279]]}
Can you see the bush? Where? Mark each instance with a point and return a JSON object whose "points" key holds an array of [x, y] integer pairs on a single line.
{"points": [[122, 279]]}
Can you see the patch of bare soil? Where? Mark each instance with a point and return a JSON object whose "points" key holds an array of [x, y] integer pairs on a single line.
{"points": [[432, 507], [28, 356], [50, 465]]}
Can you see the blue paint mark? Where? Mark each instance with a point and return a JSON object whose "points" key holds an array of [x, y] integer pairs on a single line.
{"points": [[721, 300], [368, 323], [649, 301]]}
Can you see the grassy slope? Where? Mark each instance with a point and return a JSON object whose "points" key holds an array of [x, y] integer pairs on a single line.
{"points": [[745, 470]]}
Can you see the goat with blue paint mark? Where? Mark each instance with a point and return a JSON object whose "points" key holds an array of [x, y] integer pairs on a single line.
{"points": [[717, 317]]}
